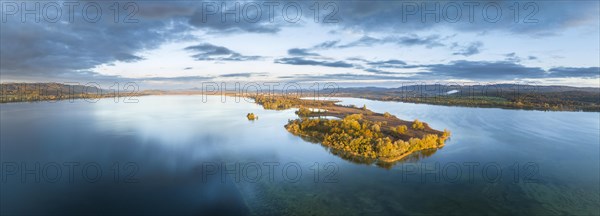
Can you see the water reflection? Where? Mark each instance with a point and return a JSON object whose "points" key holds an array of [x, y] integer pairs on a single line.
{"points": [[170, 138]]}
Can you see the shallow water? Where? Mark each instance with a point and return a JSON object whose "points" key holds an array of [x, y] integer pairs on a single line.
{"points": [[180, 155]]}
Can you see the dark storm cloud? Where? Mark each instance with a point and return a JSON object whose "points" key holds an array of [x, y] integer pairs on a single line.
{"points": [[303, 61], [469, 50], [210, 52]]}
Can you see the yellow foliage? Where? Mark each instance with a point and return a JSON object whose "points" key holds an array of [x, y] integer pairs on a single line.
{"points": [[418, 125]]}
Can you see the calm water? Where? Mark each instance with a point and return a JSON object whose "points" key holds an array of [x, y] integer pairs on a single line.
{"points": [[178, 155]]}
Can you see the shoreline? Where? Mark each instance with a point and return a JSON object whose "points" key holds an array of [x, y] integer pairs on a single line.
{"points": [[229, 94]]}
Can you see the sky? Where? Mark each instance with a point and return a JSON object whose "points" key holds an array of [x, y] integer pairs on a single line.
{"points": [[181, 44]]}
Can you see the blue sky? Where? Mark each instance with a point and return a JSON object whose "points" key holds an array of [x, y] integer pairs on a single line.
{"points": [[178, 44]]}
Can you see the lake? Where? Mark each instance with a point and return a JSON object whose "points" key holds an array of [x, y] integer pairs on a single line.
{"points": [[183, 155]]}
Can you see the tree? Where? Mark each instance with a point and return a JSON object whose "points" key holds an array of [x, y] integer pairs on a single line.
{"points": [[401, 129], [418, 125], [387, 115], [376, 128], [251, 116], [303, 112], [446, 134]]}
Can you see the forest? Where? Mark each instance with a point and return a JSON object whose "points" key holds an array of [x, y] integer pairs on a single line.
{"points": [[364, 138], [509, 96], [358, 132]]}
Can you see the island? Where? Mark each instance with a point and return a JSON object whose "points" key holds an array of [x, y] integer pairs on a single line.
{"points": [[251, 116], [354, 131]]}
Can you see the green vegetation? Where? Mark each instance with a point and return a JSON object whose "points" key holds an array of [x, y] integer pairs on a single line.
{"points": [[360, 137], [388, 115], [251, 116]]}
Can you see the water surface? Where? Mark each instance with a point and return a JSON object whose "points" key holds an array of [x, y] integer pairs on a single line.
{"points": [[180, 155]]}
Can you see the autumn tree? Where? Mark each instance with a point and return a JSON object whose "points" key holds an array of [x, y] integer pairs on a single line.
{"points": [[418, 125]]}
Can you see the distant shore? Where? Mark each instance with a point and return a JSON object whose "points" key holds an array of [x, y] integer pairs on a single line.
{"points": [[543, 98]]}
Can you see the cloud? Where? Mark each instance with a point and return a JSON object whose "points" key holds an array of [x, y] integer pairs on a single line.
{"points": [[210, 52], [513, 57], [377, 71], [393, 63], [483, 70], [203, 17], [62, 50], [565, 72], [326, 44], [502, 70], [177, 79], [68, 51], [406, 40], [301, 52], [543, 17], [342, 77], [302, 61], [243, 75], [469, 50]]}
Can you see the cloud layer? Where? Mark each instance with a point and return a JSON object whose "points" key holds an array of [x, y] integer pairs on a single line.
{"points": [[67, 50]]}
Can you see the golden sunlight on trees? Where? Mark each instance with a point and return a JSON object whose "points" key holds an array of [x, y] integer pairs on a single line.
{"points": [[387, 115], [361, 137], [251, 116], [400, 129], [418, 125], [303, 112]]}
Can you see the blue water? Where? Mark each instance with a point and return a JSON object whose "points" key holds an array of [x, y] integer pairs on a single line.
{"points": [[180, 155]]}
